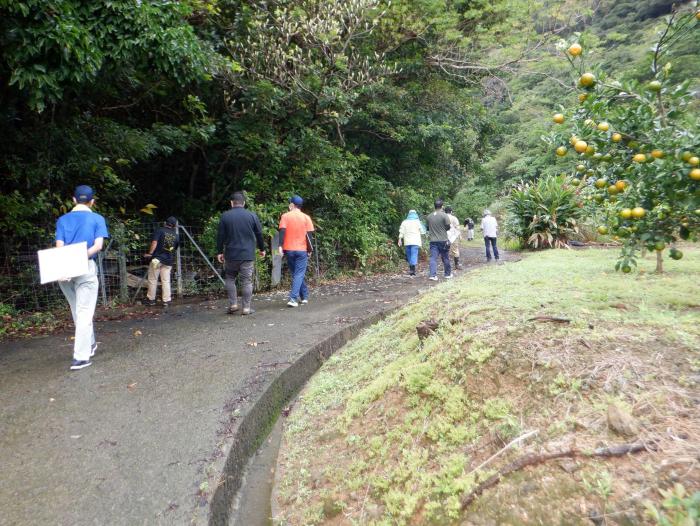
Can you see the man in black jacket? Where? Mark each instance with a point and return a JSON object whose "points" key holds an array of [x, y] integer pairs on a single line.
{"points": [[239, 233]]}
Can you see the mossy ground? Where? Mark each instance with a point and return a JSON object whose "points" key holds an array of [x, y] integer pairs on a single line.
{"points": [[392, 429]]}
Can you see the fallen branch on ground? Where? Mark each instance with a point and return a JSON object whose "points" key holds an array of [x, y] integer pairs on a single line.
{"points": [[550, 318], [532, 459]]}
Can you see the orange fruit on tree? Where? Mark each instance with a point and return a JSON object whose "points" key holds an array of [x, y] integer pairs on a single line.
{"points": [[589, 122], [639, 158], [561, 151], [580, 146], [685, 156], [572, 140], [657, 154], [580, 168], [602, 230], [558, 118], [601, 183], [621, 185], [654, 85], [603, 126], [590, 149], [612, 189], [694, 161], [626, 213], [695, 174], [638, 212], [616, 137], [575, 50], [587, 80], [582, 97]]}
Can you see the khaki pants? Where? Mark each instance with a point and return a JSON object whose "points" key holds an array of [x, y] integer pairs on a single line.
{"points": [[454, 247], [155, 269]]}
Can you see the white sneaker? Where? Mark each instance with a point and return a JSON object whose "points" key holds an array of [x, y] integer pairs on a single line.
{"points": [[433, 278], [449, 277], [94, 349], [304, 302], [292, 303]]}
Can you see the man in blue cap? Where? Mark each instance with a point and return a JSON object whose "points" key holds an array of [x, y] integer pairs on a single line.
{"points": [[295, 243], [79, 225]]}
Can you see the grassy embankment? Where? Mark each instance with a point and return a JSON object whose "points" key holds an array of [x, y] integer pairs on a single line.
{"points": [[394, 430]]}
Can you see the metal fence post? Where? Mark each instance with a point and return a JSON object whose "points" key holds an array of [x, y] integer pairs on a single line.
{"points": [[101, 270], [123, 276], [178, 264]]}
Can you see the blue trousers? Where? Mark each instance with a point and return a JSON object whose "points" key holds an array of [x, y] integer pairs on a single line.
{"points": [[412, 254], [492, 242], [439, 248], [297, 261]]}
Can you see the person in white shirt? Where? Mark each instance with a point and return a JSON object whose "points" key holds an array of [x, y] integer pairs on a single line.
{"points": [[489, 226], [410, 233]]}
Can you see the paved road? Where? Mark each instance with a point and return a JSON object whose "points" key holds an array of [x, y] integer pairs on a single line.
{"points": [[136, 438]]}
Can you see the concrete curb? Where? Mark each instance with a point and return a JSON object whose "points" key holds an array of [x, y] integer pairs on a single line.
{"points": [[258, 420]]}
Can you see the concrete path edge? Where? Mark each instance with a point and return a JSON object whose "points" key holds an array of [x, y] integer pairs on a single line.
{"points": [[264, 411]]}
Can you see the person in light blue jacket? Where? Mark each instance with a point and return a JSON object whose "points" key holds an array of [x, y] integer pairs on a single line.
{"points": [[410, 236]]}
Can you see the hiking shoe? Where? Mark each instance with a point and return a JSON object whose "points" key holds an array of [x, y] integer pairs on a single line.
{"points": [[304, 302], [433, 278], [231, 309], [148, 303], [79, 364], [94, 349], [246, 312], [292, 303], [450, 276]]}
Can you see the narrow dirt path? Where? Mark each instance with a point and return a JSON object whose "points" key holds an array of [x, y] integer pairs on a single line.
{"points": [[136, 438]]}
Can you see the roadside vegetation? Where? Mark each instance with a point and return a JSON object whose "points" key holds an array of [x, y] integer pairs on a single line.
{"points": [[510, 366]]}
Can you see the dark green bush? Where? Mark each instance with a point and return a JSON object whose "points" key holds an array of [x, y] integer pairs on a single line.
{"points": [[544, 213]]}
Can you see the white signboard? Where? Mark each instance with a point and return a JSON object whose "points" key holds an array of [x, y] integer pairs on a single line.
{"points": [[452, 234], [57, 264]]}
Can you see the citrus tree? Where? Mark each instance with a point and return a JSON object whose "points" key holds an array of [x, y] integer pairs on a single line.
{"points": [[636, 146]]}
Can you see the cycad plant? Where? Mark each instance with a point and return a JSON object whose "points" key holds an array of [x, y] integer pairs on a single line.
{"points": [[544, 213]]}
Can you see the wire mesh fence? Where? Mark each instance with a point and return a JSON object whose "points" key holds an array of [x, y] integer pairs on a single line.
{"points": [[123, 269]]}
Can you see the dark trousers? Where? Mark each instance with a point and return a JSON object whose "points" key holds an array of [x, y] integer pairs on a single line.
{"points": [[244, 269], [442, 249], [297, 261], [491, 242]]}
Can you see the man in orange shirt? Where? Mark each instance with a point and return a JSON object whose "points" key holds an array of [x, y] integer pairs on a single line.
{"points": [[295, 243]]}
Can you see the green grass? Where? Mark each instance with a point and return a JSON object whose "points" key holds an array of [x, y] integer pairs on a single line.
{"points": [[396, 425]]}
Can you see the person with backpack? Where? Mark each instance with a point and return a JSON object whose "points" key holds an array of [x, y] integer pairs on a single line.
{"points": [[82, 225], [454, 235], [410, 235], [160, 255], [469, 225], [438, 224]]}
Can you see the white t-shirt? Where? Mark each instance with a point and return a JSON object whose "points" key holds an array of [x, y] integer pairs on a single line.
{"points": [[489, 226]]}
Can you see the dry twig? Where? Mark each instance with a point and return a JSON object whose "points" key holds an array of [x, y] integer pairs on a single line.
{"points": [[532, 459]]}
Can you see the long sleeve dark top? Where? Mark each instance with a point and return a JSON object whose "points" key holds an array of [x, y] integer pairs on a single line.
{"points": [[239, 233]]}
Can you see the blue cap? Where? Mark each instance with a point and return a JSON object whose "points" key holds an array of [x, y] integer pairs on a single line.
{"points": [[298, 201], [83, 193]]}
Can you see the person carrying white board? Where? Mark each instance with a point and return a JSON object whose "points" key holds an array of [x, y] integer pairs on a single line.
{"points": [[82, 225]]}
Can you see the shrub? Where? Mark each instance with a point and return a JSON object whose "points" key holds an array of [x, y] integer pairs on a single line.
{"points": [[543, 213]]}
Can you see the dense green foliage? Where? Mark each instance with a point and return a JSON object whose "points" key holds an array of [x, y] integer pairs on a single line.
{"points": [[365, 107], [544, 213]]}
